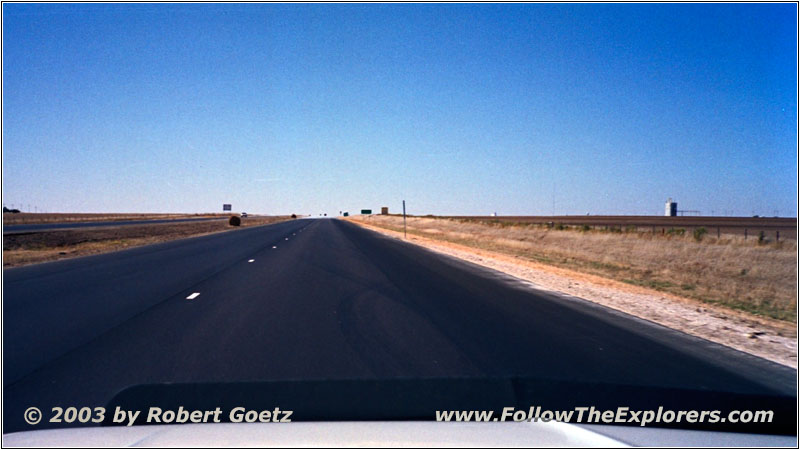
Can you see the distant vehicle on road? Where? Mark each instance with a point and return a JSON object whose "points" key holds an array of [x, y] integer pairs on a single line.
{"points": [[244, 214]]}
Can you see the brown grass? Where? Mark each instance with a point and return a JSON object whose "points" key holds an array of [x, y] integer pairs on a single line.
{"points": [[27, 248], [745, 275], [772, 227], [33, 218]]}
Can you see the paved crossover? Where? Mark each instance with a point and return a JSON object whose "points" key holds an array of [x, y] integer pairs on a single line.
{"points": [[321, 299]]}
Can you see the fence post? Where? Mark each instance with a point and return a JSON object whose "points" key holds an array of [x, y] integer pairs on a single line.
{"points": [[745, 234], [717, 232], [777, 235]]}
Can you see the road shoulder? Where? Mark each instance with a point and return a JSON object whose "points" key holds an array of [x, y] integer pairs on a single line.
{"points": [[770, 339]]}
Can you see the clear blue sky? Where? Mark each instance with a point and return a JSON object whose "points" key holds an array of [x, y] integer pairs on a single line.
{"points": [[459, 109]]}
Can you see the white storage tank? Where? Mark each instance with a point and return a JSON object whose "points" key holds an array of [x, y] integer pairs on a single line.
{"points": [[671, 208]]}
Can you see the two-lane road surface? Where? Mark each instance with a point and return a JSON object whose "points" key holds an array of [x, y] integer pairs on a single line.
{"points": [[321, 299]]}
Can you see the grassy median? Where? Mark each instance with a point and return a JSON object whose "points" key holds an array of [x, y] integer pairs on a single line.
{"points": [[27, 248], [759, 277]]}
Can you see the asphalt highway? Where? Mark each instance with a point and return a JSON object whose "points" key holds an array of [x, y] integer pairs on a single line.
{"points": [[321, 299]]}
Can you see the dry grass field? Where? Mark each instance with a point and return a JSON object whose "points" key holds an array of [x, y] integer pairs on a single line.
{"points": [[772, 227], [757, 277], [28, 248]]}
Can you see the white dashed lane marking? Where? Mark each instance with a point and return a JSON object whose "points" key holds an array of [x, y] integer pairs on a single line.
{"points": [[193, 296], [250, 260]]}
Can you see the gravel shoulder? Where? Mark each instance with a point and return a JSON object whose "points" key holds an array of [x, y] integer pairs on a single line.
{"points": [[767, 338]]}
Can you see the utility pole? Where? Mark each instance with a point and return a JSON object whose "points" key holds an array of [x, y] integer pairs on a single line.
{"points": [[404, 220]]}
